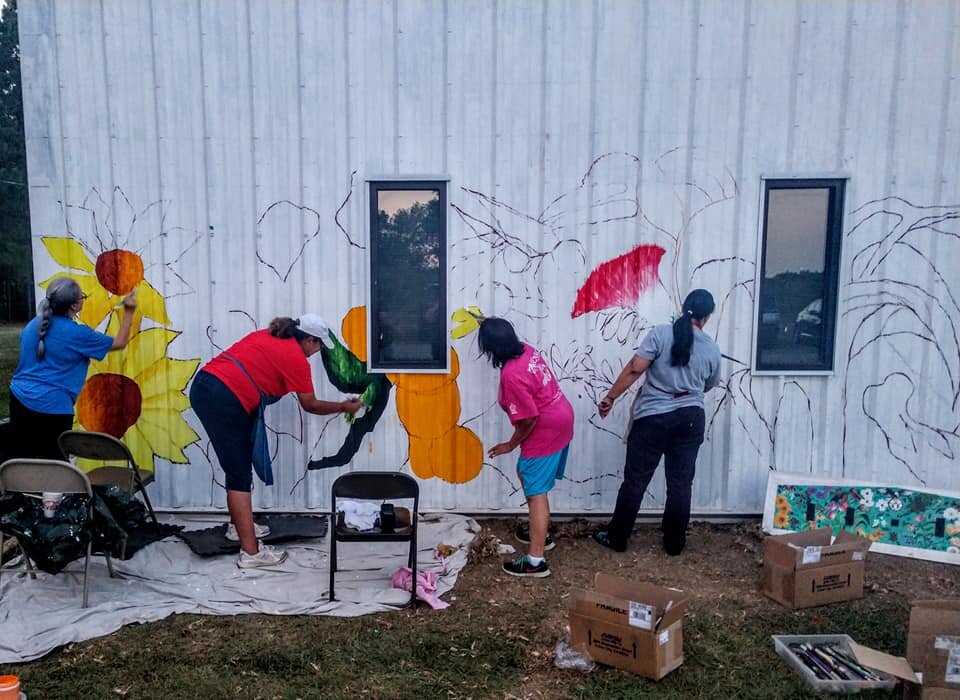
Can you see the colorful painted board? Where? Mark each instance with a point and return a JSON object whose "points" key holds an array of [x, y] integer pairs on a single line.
{"points": [[922, 524]]}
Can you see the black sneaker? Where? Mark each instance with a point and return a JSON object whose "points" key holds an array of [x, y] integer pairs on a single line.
{"points": [[602, 537], [522, 534], [523, 567]]}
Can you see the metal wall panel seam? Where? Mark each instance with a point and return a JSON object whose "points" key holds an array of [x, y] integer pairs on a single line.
{"points": [[106, 95], [948, 81], [208, 230], [792, 124], [55, 37]]}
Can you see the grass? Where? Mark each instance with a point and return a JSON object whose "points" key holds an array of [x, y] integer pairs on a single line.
{"points": [[498, 637], [728, 651], [407, 655], [9, 352]]}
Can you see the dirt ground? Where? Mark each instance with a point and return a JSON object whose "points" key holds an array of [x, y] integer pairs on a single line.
{"points": [[498, 637], [720, 568]]}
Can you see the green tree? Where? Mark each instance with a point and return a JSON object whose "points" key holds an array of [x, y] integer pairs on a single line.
{"points": [[16, 266]]}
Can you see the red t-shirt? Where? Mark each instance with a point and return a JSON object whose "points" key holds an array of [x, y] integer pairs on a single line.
{"points": [[527, 389], [277, 365]]}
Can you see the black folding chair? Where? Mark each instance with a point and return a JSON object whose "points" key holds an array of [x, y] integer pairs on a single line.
{"points": [[101, 447], [34, 476], [378, 486]]}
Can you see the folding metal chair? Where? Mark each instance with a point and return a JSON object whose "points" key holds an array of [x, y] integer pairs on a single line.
{"points": [[101, 447], [34, 476], [379, 486]]}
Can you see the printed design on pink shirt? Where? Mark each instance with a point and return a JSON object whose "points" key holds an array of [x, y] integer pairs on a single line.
{"points": [[538, 368]]}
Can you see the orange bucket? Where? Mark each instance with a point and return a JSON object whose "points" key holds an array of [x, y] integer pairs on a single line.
{"points": [[9, 688]]}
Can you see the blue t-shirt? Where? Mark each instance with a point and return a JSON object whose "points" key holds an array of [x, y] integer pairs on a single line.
{"points": [[700, 375], [51, 385]]}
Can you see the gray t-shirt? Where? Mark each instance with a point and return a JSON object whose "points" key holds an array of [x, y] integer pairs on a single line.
{"points": [[663, 381]]}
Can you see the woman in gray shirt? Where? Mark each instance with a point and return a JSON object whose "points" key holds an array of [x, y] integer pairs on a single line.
{"points": [[682, 363]]}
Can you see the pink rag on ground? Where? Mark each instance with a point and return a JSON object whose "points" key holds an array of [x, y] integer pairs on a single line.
{"points": [[426, 586]]}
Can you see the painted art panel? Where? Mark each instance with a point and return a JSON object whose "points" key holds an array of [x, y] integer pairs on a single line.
{"points": [[900, 520]]}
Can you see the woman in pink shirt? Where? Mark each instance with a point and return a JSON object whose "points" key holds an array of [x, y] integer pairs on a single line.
{"points": [[542, 420]]}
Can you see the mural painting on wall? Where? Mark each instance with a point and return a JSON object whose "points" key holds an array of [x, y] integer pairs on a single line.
{"points": [[428, 406], [605, 199], [520, 246], [136, 394], [891, 238], [888, 311]]}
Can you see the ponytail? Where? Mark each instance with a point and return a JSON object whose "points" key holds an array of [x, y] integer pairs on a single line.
{"points": [[44, 314], [682, 341], [286, 327], [697, 306], [62, 293]]}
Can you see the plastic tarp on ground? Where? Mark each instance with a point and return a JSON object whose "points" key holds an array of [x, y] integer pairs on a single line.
{"points": [[37, 616]]}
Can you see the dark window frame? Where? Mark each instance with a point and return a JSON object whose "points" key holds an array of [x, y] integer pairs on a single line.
{"points": [[374, 362], [833, 248]]}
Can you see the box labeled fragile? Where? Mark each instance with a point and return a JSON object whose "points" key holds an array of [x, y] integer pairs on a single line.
{"points": [[635, 626], [804, 569]]}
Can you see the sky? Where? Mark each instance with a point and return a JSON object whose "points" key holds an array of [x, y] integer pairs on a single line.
{"points": [[796, 227], [392, 200]]}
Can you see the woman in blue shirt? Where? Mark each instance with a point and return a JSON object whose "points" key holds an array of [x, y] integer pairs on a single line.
{"points": [[55, 352], [682, 363]]}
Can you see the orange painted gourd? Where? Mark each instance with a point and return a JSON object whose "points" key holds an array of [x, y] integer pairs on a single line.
{"points": [[429, 407]]}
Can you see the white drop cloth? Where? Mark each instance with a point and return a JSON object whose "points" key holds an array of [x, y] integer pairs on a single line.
{"points": [[39, 615]]}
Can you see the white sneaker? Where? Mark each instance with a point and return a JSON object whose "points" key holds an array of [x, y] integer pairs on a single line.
{"points": [[260, 531], [267, 556]]}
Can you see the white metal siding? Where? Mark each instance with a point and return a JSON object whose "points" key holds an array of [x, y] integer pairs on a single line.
{"points": [[254, 121]]}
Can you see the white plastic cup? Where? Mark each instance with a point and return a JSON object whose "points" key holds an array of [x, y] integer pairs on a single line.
{"points": [[51, 501]]}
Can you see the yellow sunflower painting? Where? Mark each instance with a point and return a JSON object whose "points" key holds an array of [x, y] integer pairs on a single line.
{"points": [[105, 278], [138, 395]]}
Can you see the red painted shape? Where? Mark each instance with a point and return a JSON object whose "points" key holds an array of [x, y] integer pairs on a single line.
{"points": [[621, 281]]}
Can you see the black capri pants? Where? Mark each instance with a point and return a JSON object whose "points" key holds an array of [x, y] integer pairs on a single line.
{"points": [[228, 425]]}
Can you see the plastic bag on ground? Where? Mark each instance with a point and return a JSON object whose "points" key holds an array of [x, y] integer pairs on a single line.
{"points": [[574, 659]]}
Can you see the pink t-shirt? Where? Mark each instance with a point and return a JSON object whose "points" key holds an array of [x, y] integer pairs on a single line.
{"points": [[527, 389]]}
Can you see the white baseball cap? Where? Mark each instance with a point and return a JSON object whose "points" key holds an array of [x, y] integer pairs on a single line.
{"points": [[314, 325]]}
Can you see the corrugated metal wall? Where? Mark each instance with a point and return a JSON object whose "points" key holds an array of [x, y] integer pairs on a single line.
{"points": [[220, 138]]}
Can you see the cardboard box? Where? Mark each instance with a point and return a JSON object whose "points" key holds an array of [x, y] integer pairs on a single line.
{"points": [[803, 569], [933, 646], [932, 666], [634, 626]]}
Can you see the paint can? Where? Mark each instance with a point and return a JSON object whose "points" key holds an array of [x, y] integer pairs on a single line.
{"points": [[10, 688]]}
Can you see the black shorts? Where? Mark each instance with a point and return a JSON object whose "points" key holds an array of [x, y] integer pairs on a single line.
{"points": [[228, 425]]}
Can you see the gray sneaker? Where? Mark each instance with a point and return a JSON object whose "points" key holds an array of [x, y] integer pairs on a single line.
{"points": [[266, 557], [260, 531]]}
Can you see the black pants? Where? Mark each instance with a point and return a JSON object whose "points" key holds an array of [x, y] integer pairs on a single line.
{"points": [[34, 435], [676, 435]]}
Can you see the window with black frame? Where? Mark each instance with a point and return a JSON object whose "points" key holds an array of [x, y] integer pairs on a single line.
{"points": [[799, 270], [408, 275]]}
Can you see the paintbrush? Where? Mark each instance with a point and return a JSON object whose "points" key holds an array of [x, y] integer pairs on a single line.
{"points": [[844, 658], [814, 668]]}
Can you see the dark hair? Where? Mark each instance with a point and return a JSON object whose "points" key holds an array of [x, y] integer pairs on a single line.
{"points": [[286, 327], [498, 341], [62, 293], [696, 307]]}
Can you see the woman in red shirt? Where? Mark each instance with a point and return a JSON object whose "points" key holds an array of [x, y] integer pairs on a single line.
{"points": [[226, 394]]}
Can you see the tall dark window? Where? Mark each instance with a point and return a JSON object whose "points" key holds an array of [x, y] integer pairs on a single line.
{"points": [[799, 269], [408, 275]]}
